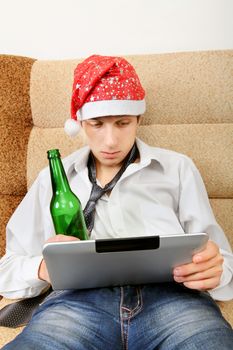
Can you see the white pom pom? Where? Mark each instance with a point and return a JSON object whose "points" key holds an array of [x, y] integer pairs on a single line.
{"points": [[72, 127]]}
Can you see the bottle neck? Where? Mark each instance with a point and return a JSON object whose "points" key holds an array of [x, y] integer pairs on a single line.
{"points": [[58, 176]]}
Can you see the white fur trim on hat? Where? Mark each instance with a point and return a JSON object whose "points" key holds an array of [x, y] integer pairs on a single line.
{"points": [[111, 107]]}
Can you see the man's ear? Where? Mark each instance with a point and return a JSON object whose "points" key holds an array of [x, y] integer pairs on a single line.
{"points": [[139, 118]]}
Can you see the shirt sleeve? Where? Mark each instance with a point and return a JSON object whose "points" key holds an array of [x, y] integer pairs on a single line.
{"points": [[26, 233], [196, 215]]}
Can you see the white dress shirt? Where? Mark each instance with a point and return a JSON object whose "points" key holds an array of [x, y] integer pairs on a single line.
{"points": [[161, 194]]}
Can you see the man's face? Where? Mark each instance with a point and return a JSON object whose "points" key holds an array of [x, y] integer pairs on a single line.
{"points": [[111, 138]]}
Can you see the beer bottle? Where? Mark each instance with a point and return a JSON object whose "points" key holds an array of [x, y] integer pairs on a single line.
{"points": [[65, 207]]}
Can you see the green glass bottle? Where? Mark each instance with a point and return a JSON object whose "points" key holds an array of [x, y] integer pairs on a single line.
{"points": [[65, 206]]}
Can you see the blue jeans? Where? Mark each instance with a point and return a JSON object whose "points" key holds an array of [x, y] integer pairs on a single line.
{"points": [[158, 316]]}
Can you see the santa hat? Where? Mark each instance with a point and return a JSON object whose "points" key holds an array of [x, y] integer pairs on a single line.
{"points": [[104, 86]]}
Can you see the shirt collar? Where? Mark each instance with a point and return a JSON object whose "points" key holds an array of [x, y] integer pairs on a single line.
{"points": [[77, 161], [82, 158], [148, 153]]}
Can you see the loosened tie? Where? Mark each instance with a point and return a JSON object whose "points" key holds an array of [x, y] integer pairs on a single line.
{"points": [[97, 191]]}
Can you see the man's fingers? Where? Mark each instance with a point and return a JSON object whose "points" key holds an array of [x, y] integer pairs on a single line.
{"points": [[189, 269], [204, 272], [43, 272], [206, 284], [206, 254], [62, 238], [215, 271]]}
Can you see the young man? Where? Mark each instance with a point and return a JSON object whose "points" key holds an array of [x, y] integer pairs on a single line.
{"points": [[150, 188]]}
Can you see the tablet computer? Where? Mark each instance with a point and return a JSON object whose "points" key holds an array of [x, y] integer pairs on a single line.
{"points": [[119, 261]]}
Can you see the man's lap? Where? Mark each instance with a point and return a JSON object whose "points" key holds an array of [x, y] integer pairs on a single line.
{"points": [[177, 316], [150, 316]]}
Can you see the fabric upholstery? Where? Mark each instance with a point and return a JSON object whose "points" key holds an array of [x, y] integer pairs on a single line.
{"points": [[189, 109], [15, 127]]}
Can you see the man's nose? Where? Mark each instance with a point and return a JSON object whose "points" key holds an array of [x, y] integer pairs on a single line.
{"points": [[110, 137]]}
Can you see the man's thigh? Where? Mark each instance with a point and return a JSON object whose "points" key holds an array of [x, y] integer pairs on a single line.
{"points": [[74, 320], [174, 317]]}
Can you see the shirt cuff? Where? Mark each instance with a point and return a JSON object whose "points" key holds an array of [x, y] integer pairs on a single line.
{"points": [[30, 272], [224, 290]]}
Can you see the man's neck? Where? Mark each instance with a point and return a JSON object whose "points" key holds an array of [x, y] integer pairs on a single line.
{"points": [[105, 174]]}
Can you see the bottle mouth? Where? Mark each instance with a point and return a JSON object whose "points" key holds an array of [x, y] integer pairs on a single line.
{"points": [[53, 153]]}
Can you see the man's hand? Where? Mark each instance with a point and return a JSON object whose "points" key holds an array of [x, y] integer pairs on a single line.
{"points": [[43, 272], [205, 270]]}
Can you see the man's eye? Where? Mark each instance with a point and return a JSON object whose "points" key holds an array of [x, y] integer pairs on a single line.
{"points": [[123, 123], [96, 125]]}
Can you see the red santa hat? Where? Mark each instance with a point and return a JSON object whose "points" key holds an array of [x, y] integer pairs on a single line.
{"points": [[104, 86]]}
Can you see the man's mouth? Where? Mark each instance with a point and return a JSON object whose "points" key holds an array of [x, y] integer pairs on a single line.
{"points": [[110, 154]]}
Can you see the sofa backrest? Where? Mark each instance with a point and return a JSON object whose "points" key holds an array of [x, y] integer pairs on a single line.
{"points": [[189, 109], [15, 127]]}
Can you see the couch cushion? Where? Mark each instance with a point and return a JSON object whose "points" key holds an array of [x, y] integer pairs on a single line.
{"points": [[15, 126], [209, 145], [15, 122], [187, 87], [51, 88], [223, 209], [43, 139]]}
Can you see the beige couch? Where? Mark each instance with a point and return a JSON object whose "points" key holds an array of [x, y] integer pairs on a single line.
{"points": [[189, 109]]}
